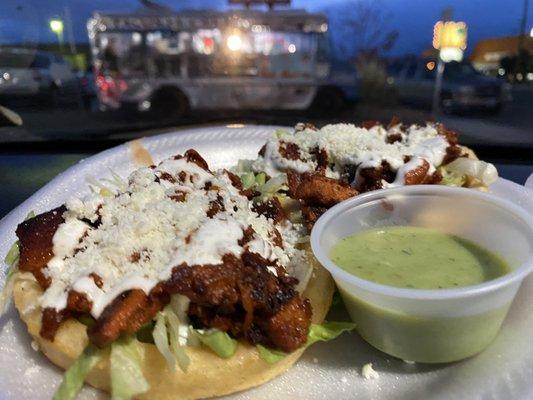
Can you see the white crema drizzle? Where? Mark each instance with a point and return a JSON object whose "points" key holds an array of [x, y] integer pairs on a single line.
{"points": [[143, 234], [348, 144]]}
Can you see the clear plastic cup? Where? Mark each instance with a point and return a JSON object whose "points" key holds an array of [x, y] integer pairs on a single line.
{"points": [[431, 326]]}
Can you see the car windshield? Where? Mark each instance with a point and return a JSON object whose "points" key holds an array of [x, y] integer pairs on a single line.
{"points": [[80, 77]]}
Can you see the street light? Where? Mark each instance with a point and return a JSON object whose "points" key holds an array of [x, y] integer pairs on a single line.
{"points": [[56, 26]]}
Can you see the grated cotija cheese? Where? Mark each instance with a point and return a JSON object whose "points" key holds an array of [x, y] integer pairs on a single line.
{"points": [[347, 144], [143, 233]]}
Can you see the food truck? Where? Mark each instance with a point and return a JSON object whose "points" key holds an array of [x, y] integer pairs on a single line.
{"points": [[170, 63]]}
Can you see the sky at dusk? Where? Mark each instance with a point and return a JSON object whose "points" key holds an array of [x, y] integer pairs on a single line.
{"points": [[27, 21]]}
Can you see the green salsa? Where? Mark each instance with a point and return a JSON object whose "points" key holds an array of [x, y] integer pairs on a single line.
{"points": [[427, 339], [419, 258]]}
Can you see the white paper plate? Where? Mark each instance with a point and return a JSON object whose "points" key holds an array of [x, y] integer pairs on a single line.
{"points": [[529, 182], [327, 370]]}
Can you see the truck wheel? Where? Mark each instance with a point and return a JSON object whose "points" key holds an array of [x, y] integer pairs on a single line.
{"points": [[328, 100], [169, 102]]}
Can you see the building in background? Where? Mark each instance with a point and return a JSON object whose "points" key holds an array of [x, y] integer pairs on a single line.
{"points": [[500, 56]]}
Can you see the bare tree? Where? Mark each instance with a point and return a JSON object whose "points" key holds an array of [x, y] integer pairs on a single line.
{"points": [[361, 34], [362, 27]]}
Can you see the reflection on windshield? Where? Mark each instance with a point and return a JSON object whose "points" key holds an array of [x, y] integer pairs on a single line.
{"points": [[122, 70]]}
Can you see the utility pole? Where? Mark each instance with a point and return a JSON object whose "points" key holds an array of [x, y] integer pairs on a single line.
{"points": [[523, 24], [520, 65], [70, 31], [435, 106]]}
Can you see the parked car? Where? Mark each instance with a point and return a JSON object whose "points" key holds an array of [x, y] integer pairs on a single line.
{"points": [[464, 89], [88, 89], [25, 73]]}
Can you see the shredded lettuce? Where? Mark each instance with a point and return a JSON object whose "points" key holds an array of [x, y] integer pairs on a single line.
{"points": [[160, 335], [220, 342], [248, 180], [192, 337], [116, 182], [485, 172], [12, 255], [74, 376], [243, 166], [127, 380], [281, 133], [166, 336], [317, 332], [180, 305], [450, 178], [104, 192], [273, 185], [260, 179], [98, 187], [327, 331], [271, 356], [177, 340], [11, 259]]}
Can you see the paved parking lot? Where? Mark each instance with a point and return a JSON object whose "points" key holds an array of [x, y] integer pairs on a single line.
{"points": [[513, 126]]}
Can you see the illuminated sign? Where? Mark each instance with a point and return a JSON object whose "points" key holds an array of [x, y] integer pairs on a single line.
{"points": [[448, 54], [449, 34]]}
